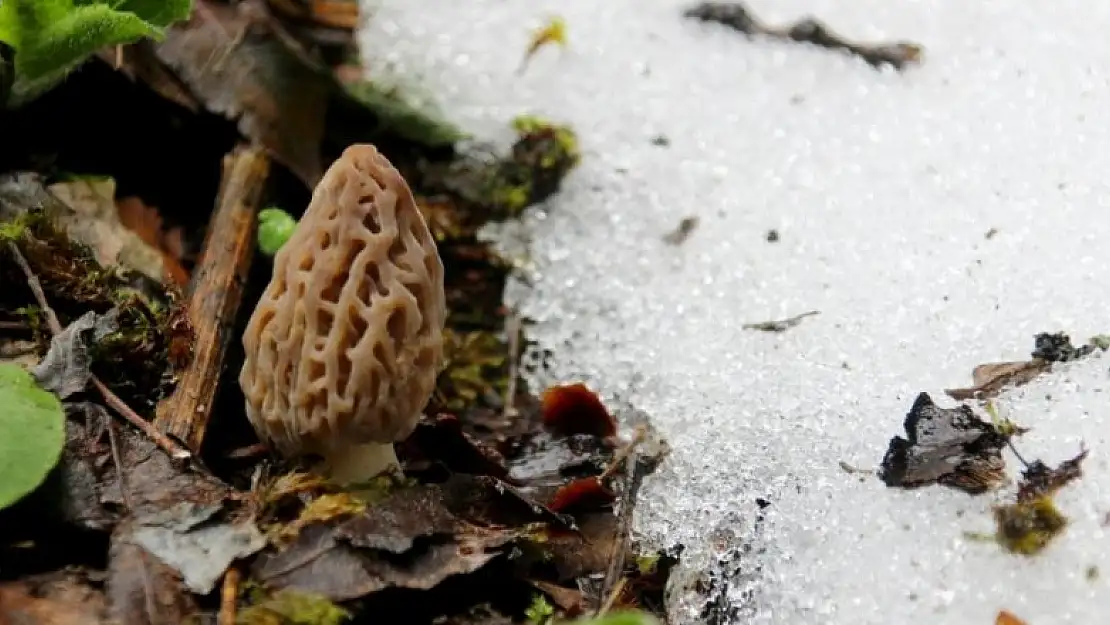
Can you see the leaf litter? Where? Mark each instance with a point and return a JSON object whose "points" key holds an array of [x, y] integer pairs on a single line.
{"points": [[508, 497], [958, 448]]}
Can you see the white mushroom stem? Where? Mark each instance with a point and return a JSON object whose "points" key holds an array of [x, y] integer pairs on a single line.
{"points": [[356, 464]]}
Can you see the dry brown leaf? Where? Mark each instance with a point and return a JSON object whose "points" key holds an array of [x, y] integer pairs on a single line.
{"points": [[241, 65], [55, 599], [989, 379], [146, 222], [95, 221], [1006, 618]]}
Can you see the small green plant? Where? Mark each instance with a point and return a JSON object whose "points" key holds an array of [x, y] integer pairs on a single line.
{"points": [[540, 611], [275, 226], [32, 433], [51, 38]]}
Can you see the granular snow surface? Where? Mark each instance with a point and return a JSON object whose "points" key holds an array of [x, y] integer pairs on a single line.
{"points": [[883, 187]]}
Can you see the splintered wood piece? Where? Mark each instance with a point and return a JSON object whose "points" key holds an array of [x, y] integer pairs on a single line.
{"points": [[216, 293]]}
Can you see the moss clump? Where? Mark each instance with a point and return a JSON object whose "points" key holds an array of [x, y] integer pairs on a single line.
{"points": [[1027, 527], [142, 359], [541, 157], [474, 365], [288, 607]]}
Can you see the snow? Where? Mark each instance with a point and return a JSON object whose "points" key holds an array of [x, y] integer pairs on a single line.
{"points": [[882, 187]]}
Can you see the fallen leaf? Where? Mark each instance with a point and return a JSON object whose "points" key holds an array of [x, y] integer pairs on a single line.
{"points": [[141, 589], [1007, 618], [146, 222], [990, 379], [187, 538], [95, 222], [575, 409], [950, 446], [64, 370], [442, 440], [321, 562], [235, 69], [587, 493], [1039, 480], [1057, 347], [60, 598]]}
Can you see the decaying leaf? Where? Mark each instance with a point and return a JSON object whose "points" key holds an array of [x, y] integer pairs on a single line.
{"points": [[60, 598], [443, 441], [146, 222], [142, 589], [248, 75], [1039, 480], [95, 221], [990, 379], [951, 446], [1007, 618], [575, 409], [65, 369], [199, 547], [1057, 347]]}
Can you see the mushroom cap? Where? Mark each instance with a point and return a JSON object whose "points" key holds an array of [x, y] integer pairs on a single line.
{"points": [[346, 342]]}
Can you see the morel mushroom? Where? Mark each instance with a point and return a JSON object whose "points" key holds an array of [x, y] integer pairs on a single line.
{"points": [[343, 349]]}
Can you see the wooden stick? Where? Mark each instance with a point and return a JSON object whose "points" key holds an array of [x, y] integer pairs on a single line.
{"points": [[229, 596], [216, 292]]}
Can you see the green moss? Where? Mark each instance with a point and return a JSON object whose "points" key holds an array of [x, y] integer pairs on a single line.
{"points": [[141, 360], [646, 563], [288, 607], [475, 363], [540, 611], [541, 157], [1027, 527]]}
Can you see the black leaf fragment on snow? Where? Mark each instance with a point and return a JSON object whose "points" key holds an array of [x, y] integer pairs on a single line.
{"points": [[950, 446]]}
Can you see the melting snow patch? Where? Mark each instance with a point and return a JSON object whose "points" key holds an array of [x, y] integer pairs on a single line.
{"points": [[937, 218]]}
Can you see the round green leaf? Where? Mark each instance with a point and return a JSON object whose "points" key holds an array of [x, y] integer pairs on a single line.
{"points": [[275, 226], [32, 433]]}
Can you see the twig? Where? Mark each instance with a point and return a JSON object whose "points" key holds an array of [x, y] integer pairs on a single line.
{"points": [[173, 449], [780, 325], [513, 329], [125, 495], [229, 596], [13, 325], [622, 453], [217, 292], [612, 598], [249, 451], [614, 582]]}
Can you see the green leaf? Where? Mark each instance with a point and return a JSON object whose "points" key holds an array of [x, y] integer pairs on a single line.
{"points": [[53, 37], [32, 433], [275, 226]]}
